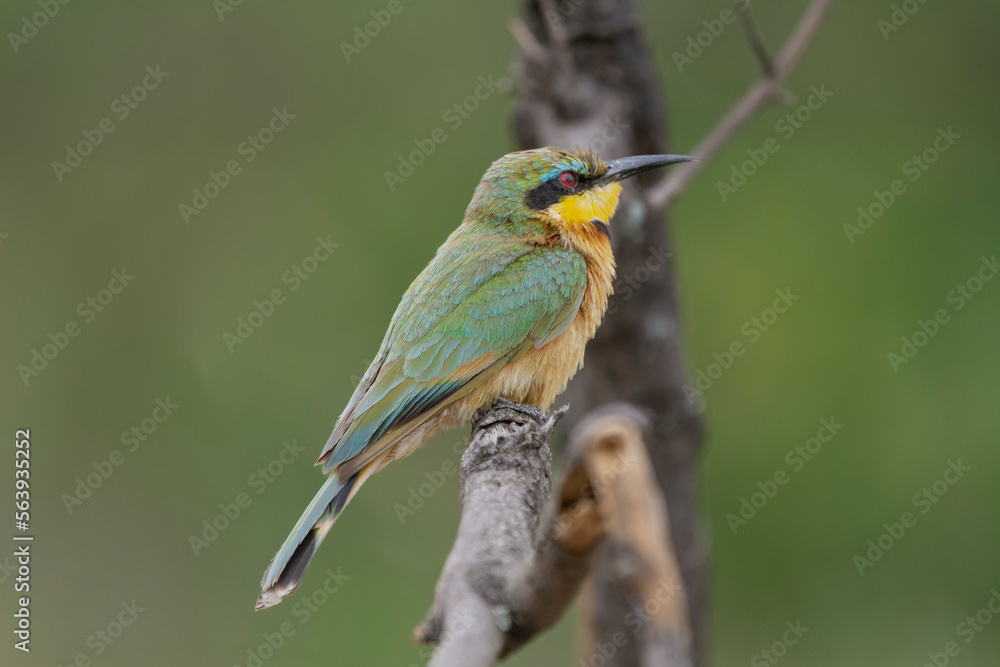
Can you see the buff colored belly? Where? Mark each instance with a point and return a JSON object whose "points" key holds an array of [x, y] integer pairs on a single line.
{"points": [[537, 377]]}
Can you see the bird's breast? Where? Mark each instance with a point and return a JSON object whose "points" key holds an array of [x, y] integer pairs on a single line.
{"points": [[543, 373], [560, 359]]}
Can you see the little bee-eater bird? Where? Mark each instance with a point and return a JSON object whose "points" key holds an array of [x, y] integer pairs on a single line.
{"points": [[504, 309]]}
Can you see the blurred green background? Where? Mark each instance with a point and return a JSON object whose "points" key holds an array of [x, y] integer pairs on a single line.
{"points": [[323, 176]]}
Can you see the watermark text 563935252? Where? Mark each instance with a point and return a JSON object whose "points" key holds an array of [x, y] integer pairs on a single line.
{"points": [[22, 542]]}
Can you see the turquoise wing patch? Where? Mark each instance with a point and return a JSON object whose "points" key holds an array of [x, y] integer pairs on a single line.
{"points": [[482, 320]]}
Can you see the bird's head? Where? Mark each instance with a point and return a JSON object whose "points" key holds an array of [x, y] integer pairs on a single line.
{"points": [[570, 190]]}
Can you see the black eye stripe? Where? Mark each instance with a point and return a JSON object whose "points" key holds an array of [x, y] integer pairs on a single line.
{"points": [[545, 195], [551, 191]]}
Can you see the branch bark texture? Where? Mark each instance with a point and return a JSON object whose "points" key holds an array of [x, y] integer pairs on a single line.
{"points": [[516, 566], [501, 584]]}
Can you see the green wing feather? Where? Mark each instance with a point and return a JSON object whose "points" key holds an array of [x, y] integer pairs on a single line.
{"points": [[480, 304]]}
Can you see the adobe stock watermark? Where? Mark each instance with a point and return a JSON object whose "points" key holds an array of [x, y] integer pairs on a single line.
{"points": [[752, 330], [957, 297], [364, 34], [30, 25], [102, 638], [122, 107], [223, 7], [592, 486], [786, 126], [417, 495], [607, 132], [465, 617], [133, 438], [796, 458], [913, 168], [697, 44], [258, 482], [968, 629], [454, 116], [88, 310], [626, 285], [248, 149], [898, 17], [356, 379], [779, 649], [924, 500], [635, 620], [295, 276], [557, 12], [303, 610]]}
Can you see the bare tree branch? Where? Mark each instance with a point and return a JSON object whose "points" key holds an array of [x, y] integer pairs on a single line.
{"points": [[637, 549], [756, 38], [532, 49], [608, 97], [505, 581], [763, 91], [487, 602]]}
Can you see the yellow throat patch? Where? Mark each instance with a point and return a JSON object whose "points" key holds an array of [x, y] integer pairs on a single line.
{"points": [[583, 208]]}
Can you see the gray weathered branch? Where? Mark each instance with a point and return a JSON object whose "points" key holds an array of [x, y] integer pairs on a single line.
{"points": [[636, 553], [607, 96], [486, 602], [506, 580]]}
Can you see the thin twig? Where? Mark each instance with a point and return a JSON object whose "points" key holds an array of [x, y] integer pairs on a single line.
{"points": [[756, 39], [556, 28], [522, 35], [764, 90]]}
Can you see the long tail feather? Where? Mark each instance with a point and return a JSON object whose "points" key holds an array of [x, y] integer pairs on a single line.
{"points": [[285, 571]]}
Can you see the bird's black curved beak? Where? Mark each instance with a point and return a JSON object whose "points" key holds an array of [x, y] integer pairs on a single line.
{"points": [[626, 167]]}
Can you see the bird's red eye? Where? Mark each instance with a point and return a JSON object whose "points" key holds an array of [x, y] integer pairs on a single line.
{"points": [[567, 178]]}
